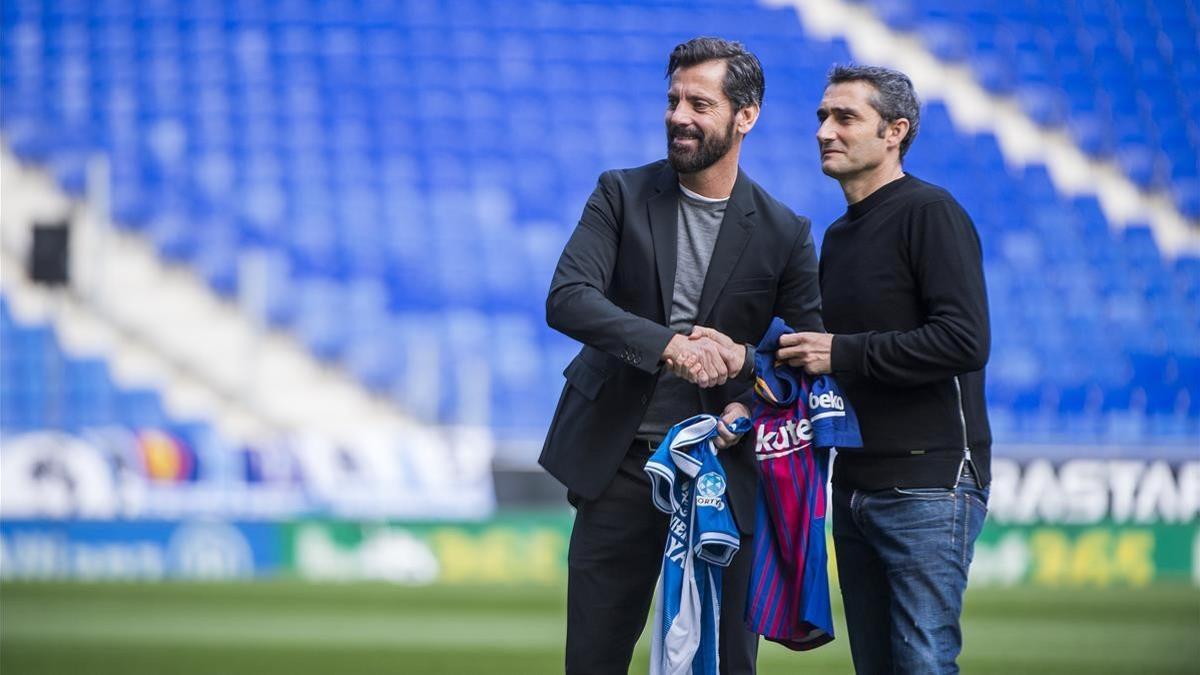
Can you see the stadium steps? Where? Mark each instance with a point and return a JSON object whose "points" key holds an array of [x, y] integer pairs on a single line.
{"points": [[164, 327]]}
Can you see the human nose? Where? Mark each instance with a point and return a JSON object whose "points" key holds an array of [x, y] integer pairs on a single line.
{"points": [[825, 132], [680, 115]]}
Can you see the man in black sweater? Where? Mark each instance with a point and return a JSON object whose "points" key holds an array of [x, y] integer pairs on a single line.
{"points": [[904, 302]]}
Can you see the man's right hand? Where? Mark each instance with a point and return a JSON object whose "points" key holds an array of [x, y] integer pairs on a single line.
{"points": [[733, 353], [696, 360]]}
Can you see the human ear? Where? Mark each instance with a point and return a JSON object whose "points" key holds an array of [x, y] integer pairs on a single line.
{"points": [[897, 131], [746, 118]]}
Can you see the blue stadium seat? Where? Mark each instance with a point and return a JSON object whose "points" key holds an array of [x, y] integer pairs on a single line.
{"points": [[1072, 64]]}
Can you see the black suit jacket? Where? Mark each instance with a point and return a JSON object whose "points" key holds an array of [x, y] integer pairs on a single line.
{"points": [[612, 291]]}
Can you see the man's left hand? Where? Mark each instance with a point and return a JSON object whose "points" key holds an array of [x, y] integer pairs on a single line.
{"points": [[810, 351]]}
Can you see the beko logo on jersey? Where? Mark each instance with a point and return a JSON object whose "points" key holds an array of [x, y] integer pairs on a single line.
{"points": [[787, 437], [826, 401]]}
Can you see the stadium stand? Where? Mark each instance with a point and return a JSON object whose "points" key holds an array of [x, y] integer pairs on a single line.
{"points": [[405, 173], [1123, 78], [44, 387]]}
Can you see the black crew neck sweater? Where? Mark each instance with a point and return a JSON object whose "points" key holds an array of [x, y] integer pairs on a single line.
{"points": [[903, 293]]}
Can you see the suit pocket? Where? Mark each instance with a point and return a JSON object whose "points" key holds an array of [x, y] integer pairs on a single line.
{"points": [[750, 285], [585, 378]]}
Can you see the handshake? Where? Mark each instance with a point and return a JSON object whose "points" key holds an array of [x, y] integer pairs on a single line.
{"points": [[707, 357]]}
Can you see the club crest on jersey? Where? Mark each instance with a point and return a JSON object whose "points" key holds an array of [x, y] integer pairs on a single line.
{"points": [[709, 489]]}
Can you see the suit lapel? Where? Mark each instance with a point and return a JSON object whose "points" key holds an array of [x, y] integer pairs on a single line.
{"points": [[736, 228], [663, 209]]}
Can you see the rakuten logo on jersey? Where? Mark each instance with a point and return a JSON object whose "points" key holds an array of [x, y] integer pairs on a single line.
{"points": [[826, 401], [782, 437]]}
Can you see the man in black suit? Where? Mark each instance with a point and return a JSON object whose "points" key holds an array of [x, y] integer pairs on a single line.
{"points": [[667, 260]]}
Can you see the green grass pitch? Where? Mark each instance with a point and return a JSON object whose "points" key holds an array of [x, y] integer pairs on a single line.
{"points": [[295, 628]]}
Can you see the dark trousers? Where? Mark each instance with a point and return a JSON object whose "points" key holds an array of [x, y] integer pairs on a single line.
{"points": [[613, 564]]}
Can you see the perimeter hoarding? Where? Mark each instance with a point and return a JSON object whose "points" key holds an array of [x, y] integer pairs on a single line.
{"points": [[1097, 556], [1076, 523], [138, 550], [1090, 523], [509, 549], [119, 474]]}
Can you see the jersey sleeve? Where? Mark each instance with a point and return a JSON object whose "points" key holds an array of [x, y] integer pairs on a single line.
{"points": [[833, 420], [661, 471]]}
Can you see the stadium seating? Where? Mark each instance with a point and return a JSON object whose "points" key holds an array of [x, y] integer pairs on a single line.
{"points": [[43, 387], [1122, 77], [408, 172]]}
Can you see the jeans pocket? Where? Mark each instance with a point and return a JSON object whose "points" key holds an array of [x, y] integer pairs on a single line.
{"points": [[925, 493], [976, 496]]}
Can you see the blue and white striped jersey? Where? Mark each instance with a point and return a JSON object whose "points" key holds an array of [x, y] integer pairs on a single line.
{"points": [[689, 483]]}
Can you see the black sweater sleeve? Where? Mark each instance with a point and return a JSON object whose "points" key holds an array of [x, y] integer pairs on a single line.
{"points": [[946, 260]]}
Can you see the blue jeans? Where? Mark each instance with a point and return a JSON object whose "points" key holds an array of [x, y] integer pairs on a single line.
{"points": [[902, 557]]}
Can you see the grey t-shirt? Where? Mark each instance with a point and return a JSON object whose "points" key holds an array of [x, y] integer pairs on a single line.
{"points": [[698, 221]]}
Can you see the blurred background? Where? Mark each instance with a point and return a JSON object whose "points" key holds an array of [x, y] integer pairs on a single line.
{"points": [[272, 277]]}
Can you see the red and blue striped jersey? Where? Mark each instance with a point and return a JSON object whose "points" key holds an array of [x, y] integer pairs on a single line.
{"points": [[797, 419]]}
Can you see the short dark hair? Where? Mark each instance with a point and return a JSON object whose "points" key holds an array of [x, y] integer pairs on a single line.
{"points": [[894, 96], [744, 83]]}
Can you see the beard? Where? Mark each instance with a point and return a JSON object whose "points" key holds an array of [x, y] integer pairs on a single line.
{"points": [[709, 149]]}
